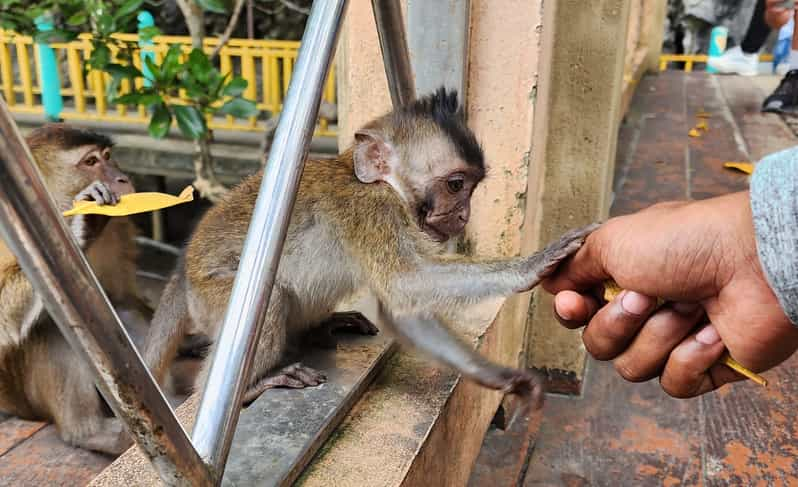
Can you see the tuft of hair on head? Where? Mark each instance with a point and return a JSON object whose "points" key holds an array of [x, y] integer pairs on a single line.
{"points": [[443, 108], [65, 137]]}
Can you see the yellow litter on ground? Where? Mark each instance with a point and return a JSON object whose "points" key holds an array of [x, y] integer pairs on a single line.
{"points": [[133, 203], [745, 167]]}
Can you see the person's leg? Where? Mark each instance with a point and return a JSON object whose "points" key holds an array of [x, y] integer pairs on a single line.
{"points": [[758, 31], [744, 59], [785, 98]]}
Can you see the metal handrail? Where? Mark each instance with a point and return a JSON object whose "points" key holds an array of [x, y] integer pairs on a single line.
{"points": [[230, 364], [61, 276], [395, 54]]}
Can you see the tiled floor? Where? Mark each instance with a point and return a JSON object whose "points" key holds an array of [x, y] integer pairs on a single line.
{"points": [[621, 434]]}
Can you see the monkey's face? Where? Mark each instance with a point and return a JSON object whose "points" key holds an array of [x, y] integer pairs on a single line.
{"points": [[94, 163], [441, 184], [445, 208]]}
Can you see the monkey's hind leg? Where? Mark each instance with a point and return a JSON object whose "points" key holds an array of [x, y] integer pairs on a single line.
{"points": [[80, 416], [270, 351], [324, 335]]}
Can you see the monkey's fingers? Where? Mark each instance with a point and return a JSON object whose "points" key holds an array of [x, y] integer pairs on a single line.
{"points": [[529, 387]]}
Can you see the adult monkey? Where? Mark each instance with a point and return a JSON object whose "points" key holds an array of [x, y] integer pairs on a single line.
{"points": [[41, 378], [376, 217]]}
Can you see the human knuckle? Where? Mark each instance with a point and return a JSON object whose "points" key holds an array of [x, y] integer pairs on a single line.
{"points": [[630, 371]]}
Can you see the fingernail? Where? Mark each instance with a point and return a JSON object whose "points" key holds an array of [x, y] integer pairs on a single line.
{"points": [[635, 303], [708, 336], [564, 314], [685, 308]]}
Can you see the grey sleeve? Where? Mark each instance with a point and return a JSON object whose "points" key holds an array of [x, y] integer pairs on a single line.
{"points": [[774, 202]]}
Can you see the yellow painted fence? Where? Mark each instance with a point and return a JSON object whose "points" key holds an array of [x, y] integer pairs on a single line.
{"points": [[690, 59], [266, 64]]}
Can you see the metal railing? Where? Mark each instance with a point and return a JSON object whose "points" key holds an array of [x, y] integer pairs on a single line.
{"points": [[61, 276], [267, 65]]}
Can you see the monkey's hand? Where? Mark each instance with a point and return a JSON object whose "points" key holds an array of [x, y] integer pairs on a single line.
{"points": [[542, 264], [527, 384], [86, 228]]}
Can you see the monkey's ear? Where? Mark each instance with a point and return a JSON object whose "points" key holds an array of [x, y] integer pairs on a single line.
{"points": [[374, 155]]}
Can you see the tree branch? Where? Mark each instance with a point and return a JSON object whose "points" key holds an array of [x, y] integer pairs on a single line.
{"points": [[296, 8], [228, 31]]}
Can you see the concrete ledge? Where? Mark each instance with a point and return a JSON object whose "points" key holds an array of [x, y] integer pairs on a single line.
{"points": [[415, 425]]}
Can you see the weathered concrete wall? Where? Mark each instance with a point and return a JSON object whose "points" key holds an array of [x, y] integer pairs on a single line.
{"points": [[503, 57], [502, 89], [575, 142]]}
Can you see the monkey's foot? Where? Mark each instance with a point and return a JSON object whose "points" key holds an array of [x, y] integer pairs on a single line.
{"points": [[349, 322], [295, 376]]}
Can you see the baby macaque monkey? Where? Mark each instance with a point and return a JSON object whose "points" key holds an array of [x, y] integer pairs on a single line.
{"points": [[374, 218], [41, 378]]}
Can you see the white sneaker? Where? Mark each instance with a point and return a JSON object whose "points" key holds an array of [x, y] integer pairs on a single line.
{"points": [[735, 61]]}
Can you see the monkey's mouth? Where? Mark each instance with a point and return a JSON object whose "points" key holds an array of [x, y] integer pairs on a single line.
{"points": [[434, 233]]}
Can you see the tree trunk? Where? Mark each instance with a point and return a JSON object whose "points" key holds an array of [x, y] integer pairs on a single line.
{"points": [[205, 178], [195, 21]]}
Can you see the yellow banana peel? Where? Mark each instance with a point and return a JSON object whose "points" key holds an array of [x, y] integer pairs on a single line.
{"points": [[133, 203], [745, 167]]}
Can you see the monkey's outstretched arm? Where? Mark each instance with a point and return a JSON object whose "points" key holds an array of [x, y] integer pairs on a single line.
{"points": [[453, 282], [430, 336]]}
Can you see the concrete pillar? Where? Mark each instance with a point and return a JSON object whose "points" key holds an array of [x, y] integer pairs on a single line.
{"points": [[653, 32], [575, 136]]}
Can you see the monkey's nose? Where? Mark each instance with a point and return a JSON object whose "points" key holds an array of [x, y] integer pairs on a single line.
{"points": [[122, 180]]}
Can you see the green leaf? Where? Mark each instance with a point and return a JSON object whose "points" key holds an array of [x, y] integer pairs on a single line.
{"points": [[235, 87], [100, 56], [106, 25], [138, 98], [128, 8], [199, 65], [125, 71], [216, 6], [113, 87], [77, 19], [51, 36], [160, 121], [239, 108], [171, 63], [155, 70], [190, 121], [147, 33]]}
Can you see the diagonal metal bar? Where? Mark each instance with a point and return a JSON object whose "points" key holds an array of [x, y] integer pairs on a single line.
{"points": [[227, 380], [395, 54], [61, 276]]}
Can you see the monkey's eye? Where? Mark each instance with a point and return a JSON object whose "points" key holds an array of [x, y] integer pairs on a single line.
{"points": [[455, 185], [91, 161]]}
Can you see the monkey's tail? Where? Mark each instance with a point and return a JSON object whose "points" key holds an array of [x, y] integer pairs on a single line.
{"points": [[169, 324]]}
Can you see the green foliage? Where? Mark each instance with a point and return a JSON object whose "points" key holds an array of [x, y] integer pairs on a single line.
{"points": [[186, 91]]}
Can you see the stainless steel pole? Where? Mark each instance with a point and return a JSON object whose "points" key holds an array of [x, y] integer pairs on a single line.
{"points": [[220, 403], [395, 55], [57, 269]]}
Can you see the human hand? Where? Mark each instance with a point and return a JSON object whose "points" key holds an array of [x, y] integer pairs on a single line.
{"points": [[699, 256], [777, 13]]}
